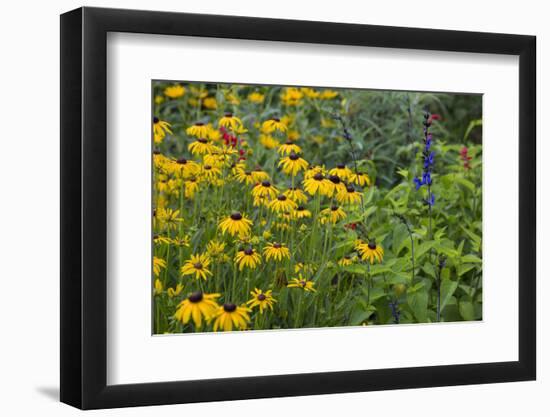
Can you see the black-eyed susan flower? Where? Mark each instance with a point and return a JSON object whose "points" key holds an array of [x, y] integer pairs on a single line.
{"points": [[332, 214], [174, 91], [167, 218], [274, 124], [262, 300], [201, 146], [328, 94], [301, 213], [181, 241], [337, 184], [318, 184], [160, 128], [184, 168], [198, 306], [260, 175], [174, 292], [346, 260], [282, 204], [191, 187], [158, 265], [349, 195], [288, 147], [210, 172], [360, 178], [245, 176], [302, 283], [197, 266], [310, 92], [304, 268], [236, 224], [199, 130], [291, 96], [256, 97], [161, 240], [229, 121], [268, 141], [370, 251], [264, 189], [157, 288], [342, 171], [276, 251], [215, 248], [296, 194], [210, 103], [248, 258], [230, 316], [293, 163]]}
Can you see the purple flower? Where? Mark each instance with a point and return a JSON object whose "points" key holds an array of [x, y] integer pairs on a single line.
{"points": [[419, 183], [431, 200]]}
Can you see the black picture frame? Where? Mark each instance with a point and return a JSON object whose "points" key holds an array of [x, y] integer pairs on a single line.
{"points": [[84, 207]]}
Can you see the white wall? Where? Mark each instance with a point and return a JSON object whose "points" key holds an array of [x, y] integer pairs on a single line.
{"points": [[29, 173]]}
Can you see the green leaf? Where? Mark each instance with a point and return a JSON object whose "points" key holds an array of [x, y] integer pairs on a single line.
{"points": [[466, 309], [448, 287], [470, 258], [463, 268], [400, 234], [418, 302]]}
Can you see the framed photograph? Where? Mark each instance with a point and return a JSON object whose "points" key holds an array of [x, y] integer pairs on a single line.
{"points": [[257, 208]]}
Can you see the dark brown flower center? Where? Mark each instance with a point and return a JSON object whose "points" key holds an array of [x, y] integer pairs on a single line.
{"points": [[247, 173], [301, 208], [340, 166], [202, 140], [248, 251], [318, 177], [199, 124], [266, 183], [236, 216], [277, 245], [350, 188], [197, 265], [155, 237], [334, 208], [372, 245], [303, 283], [156, 120], [261, 297], [276, 119], [293, 156], [181, 161], [196, 297], [228, 114], [335, 179], [229, 307], [281, 197], [156, 152], [208, 167]]}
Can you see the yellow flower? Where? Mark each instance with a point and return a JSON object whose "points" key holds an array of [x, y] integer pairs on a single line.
{"points": [[288, 147], [159, 99], [158, 264], [181, 242], [342, 171], [273, 124], [160, 128], [245, 176], [248, 258], [310, 92], [361, 179], [198, 130], [264, 189], [276, 251], [210, 172], [201, 146], [302, 283], [328, 94], [161, 240], [167, 218], [215, 248], [191, 187], [293, 135], [184, 167], [198, 306], [256, 97], [236, 224], [282, 204], [333, 214], [263, 300], [231, 316], [174, 91], [210, 103], [301, 212], [291, 96], [370, 251], [346, 260], [268, 141], [304, 268], [198, 266], [174, 292], [158, 287], [348, 196], [259, 175], [292, 164], [229, 121], [327, 123], [318, 183], [296, 194]]}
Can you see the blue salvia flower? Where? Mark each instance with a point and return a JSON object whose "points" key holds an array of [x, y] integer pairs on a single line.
{"points": [[396, 314], [428, 163]]}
